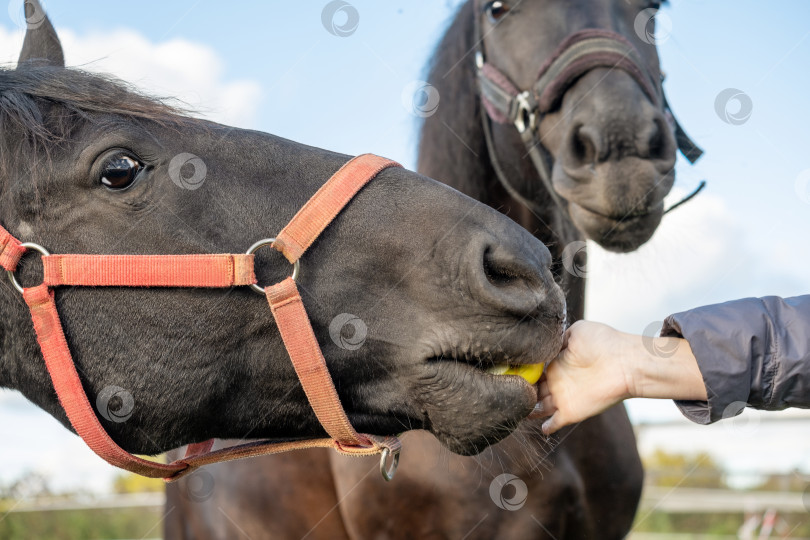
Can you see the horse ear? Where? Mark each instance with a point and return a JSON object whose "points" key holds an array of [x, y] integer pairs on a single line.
{"points": [[41, 45]]}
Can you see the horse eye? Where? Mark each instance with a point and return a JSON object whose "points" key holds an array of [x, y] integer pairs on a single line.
{"points": [[495, 10], [120, 172]]}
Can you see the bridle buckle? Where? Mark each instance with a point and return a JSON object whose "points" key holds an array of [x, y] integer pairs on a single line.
{"points": [[525, 116]]}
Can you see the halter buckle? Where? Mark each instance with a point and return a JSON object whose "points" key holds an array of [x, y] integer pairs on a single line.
{"points": [[269, 242], [525, 117], [26, 245]]}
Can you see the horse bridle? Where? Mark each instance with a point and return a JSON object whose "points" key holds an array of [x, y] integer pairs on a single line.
{"points": [[577, 54], [220, 270]]}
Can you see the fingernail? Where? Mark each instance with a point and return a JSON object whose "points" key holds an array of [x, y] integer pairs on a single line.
{"points": [[546, 427]]}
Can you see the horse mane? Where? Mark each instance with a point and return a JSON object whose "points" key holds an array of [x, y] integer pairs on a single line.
{"points": [[76, 92], [459, 160], [41, 105]]}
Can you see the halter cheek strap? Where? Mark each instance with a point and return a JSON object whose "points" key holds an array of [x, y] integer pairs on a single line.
{"points": [[221, 270]]}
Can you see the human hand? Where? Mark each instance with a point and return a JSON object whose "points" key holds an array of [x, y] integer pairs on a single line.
{"points": [[588, 376], [599, 366]]}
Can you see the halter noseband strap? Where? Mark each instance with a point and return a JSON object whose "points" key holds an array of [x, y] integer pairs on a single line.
{"points": [[578, 54], [221, 270]]}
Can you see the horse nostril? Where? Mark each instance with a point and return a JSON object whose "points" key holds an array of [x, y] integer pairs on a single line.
{"points": [[513, 280], [496, 272], [583, 146], [657, 147]]}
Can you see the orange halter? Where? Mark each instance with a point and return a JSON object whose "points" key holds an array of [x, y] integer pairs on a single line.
{"points": [[222, 270]]}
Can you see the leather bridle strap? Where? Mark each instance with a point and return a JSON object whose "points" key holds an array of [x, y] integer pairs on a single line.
{"points": [[11, 250], [220, 270], [288, 308], [204, 271]]}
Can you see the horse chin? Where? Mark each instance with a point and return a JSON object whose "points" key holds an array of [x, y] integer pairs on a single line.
{"points": [[621, 235], [468, 408], [491, 410]]}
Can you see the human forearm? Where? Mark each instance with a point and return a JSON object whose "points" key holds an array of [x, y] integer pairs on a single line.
{"points": [[662, 367]]}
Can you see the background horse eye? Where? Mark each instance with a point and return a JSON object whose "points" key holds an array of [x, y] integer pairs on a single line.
{"points": [[120, 172], [495, 10]]}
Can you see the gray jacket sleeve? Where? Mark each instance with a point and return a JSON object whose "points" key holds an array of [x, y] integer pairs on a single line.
{"points": [[752, 352]]}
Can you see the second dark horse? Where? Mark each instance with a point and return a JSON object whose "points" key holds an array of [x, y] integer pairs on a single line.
{"points": [[610, 145]]}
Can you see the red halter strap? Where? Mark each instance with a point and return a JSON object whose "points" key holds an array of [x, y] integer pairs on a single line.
{"points": [[221, 270]]}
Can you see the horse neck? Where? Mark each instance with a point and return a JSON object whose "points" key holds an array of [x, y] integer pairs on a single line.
{"points": [[453, 150]]}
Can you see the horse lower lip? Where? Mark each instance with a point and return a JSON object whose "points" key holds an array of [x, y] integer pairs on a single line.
{"points": [[623, 218]]}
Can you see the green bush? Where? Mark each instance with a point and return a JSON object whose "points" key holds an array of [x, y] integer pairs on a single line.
{"points": [[83, 524]]}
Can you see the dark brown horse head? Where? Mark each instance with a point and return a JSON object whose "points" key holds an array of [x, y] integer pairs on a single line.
{"points": [[602, 121], [413, 291]]}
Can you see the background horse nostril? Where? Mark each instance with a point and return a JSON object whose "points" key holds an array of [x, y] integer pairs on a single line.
{"points": [[657, 147], [583, 146]]}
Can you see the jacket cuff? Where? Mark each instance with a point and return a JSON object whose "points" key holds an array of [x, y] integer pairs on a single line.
{"points": [[724, 340]]}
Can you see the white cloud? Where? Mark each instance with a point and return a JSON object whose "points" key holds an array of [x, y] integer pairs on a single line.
{"points": [[699, 255], [191, 72]]}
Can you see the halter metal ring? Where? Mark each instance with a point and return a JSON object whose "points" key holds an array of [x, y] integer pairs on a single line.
{"points": [[525, 117], [26, 245], [267, 242], [388, 471]]}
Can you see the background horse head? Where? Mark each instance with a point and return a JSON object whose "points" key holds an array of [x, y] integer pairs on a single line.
{"points": [[91, 166], [601, 124]]}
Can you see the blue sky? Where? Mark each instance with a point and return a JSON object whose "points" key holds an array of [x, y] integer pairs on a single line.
{"points": [[745, 236]]}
